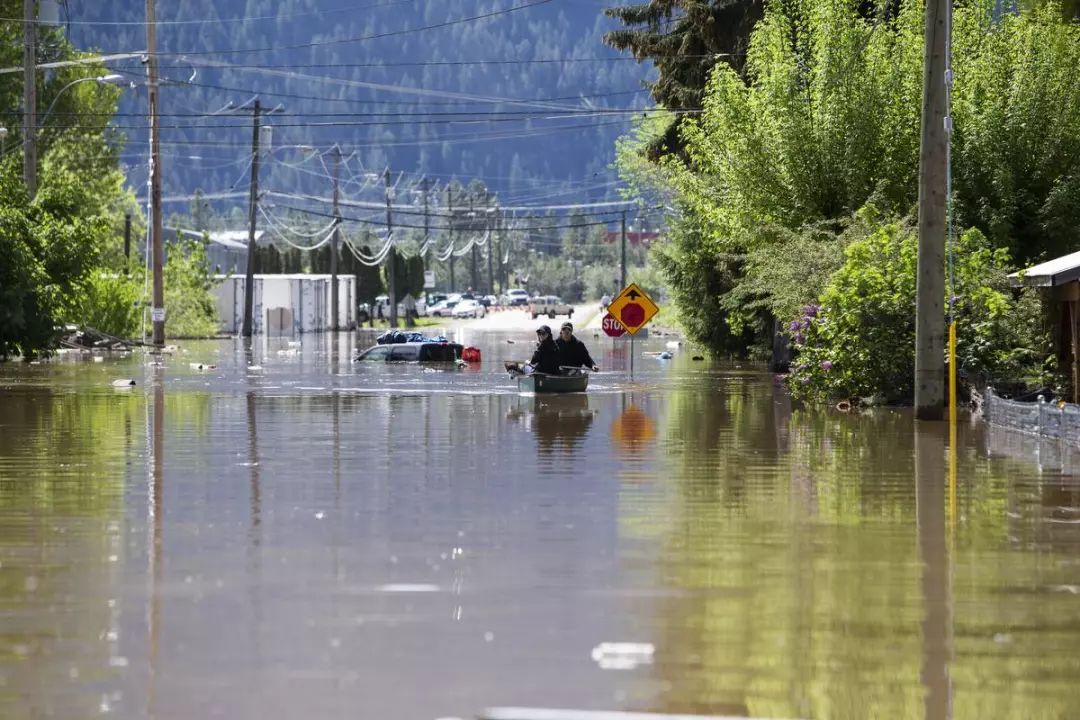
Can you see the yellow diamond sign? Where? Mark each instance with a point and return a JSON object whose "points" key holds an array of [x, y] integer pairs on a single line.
{"points": [[633, 308]]}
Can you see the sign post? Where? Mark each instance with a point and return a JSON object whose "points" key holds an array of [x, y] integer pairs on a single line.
{"points": [[632, 308]]}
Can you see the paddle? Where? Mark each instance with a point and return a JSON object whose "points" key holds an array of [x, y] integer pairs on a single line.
{"points": [[575, 370]]}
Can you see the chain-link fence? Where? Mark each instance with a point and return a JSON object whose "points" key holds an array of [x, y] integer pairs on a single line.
{"points": [[1055, 420]]}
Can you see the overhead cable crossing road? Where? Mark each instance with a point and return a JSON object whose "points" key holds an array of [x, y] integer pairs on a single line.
{"points": [[414, 210]]}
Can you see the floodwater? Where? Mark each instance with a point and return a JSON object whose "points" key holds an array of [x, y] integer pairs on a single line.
{"points": [[292, 535]]}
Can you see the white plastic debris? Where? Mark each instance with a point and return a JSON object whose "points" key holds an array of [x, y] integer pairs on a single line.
{"points": [[622, 655]]}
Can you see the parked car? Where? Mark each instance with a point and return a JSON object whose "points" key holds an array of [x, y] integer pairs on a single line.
{"points": [[549, 305], [444, 308], [433, 351], [382, 307], [469, 308], [517, 296]]}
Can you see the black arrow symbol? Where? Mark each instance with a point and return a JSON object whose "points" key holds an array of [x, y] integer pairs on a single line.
{"points": [[633, 294]]}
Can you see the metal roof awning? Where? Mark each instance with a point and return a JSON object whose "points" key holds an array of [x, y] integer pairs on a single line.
{"points": [[231, 239], [1052, 273]]}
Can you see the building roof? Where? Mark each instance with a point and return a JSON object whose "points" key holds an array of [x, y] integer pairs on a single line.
{"points": [[231, 239], [1051, 273]]}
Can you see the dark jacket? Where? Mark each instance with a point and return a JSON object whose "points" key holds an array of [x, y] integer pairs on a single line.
{"points": [[573, 353], [546, 357]]}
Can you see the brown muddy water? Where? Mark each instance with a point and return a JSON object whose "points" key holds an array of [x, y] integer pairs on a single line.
{"points": [[314, 538]]}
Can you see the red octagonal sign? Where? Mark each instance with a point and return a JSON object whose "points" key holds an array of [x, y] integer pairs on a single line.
{"points": [[612, 327], [632, 315]]}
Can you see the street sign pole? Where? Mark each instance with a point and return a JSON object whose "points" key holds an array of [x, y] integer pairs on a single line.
{"points": [[632, 308]]}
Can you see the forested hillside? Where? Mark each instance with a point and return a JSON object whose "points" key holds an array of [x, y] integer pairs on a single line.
{"points": [[511, 92]]}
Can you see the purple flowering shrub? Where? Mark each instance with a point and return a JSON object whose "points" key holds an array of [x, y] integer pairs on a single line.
{"points": [[859, 342]]}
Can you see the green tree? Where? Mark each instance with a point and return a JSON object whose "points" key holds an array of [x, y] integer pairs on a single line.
{"points": [[860, 340], [826, 120], [684, 39], [192, 309]]}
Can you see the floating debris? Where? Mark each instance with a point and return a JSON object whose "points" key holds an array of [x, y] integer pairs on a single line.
{"points": [[622, 655], [123, 383], [408, 588], [202, 366]]}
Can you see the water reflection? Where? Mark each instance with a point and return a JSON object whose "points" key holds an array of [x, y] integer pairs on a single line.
{"points": [[930, 466], [155, 522], [558, 421], [313, 539]]}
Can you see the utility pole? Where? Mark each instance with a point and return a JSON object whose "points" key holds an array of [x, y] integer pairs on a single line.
{"points": [[157, 250], [490, 248], [334, 245], [450, 226], [425, 187], [472, 228], [253, 201], [127, 242], [933, 167], [622, 263], [30, 98], [392, 266]]}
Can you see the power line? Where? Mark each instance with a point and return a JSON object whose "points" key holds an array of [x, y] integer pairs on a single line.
{"points": [[466, 63], [413, 210], [449, 115], [216, 21], [361, 38]]}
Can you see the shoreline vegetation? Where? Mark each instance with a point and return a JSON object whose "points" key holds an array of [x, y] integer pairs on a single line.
{"points": [[794, 191]]}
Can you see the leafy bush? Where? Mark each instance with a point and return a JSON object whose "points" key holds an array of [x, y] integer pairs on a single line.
{"points": [[859, 341], [192, 310], [825, 120], [109, 302]]}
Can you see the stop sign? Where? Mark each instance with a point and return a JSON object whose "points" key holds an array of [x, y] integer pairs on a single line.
{"points": [[612, 327]]}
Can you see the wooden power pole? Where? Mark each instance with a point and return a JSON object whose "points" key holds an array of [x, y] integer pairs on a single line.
{"points": [[253, 202], [391, 267], [157, 248], [933, 169], [334, 245], [30, 98]]}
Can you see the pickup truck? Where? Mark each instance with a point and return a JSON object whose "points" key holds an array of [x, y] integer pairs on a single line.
{"points": [[549, 305]]}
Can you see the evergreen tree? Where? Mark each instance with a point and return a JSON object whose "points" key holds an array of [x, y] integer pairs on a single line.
{"points": [[684, 39]]}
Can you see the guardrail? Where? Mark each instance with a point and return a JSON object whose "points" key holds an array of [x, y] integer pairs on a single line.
{"points": [[1042, 418]]}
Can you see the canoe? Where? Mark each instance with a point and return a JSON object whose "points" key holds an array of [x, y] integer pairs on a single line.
{"points": [[541, 383]]}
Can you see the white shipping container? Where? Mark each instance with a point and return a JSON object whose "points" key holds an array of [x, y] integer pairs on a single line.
{"points": [[286, 304]]}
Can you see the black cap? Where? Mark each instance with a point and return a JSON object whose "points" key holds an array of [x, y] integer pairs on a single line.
{"points": [[544, 329], [568, 326]]}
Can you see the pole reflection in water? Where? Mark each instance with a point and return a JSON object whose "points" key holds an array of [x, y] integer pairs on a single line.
{"points": [[930, 499], [254, 545], [156, 511]]}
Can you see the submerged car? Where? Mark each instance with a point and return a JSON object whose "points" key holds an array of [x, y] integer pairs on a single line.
{"points": [[427, 351]]}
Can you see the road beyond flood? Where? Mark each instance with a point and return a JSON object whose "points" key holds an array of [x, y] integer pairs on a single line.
{"points": [[275, 531]]}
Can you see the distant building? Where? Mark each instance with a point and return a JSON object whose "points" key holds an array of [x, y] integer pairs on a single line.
{"points": [[633, 237], [225, 249]]}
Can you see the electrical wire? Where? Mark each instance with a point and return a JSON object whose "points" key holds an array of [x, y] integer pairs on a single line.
{"points": [[215, 21], [361, 38]]}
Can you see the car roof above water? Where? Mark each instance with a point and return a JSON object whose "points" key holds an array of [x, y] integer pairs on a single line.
{"points": [[422, 350]]}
